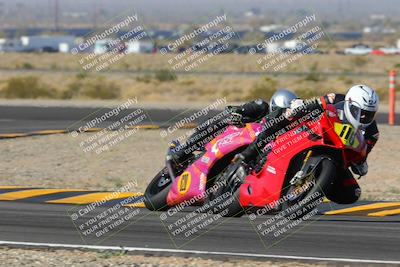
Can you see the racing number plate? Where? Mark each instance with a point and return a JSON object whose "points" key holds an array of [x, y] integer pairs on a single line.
{"points": [[184, 183], [346, 134]]}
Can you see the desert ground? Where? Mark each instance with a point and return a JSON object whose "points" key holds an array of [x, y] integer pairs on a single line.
{"points": [[79, 258]]}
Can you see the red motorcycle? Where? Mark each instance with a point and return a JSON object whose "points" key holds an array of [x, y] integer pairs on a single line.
{"points": [[298, 167]]}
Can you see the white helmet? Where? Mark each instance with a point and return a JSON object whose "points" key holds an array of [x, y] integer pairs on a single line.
{"points": [[281, 99], [361, 105]]}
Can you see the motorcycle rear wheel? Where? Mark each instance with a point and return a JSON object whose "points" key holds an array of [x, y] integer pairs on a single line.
{"points": [[230, 206]]}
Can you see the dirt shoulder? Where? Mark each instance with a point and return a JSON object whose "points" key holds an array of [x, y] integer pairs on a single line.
{"points": [[44, 257]]}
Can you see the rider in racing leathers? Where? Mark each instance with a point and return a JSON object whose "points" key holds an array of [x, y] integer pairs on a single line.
{"points": [[346, 190], [233, 115]]}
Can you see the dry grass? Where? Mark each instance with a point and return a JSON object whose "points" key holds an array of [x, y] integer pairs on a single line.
{"points": [[223, 62], [198, 87], [191, 88]]}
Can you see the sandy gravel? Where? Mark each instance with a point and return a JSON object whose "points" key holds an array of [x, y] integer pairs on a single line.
{"points": [[39, 258], [59, 161]]}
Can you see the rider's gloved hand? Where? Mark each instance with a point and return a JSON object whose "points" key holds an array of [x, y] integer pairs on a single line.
{"points": [[235, 116], [360, 169], [235, 119], [299, 107]]}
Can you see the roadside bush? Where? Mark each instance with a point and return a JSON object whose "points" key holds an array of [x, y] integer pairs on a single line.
{"points": [[359, 61], [345, 80], [125, 65], [97, 88], [314, 75], [101, 89], [307, 93], [72, 90], [144, 78], [54, 66], [27, 87], [383, 93], [187, 82], [27, 66], [263, 89], [82, 74], [164, 75]]}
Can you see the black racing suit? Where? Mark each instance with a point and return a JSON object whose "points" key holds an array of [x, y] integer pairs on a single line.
{"points": [[206, 131], [346, 189]]}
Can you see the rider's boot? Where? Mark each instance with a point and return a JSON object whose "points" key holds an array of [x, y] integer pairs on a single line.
{"points": [[247, 155]]}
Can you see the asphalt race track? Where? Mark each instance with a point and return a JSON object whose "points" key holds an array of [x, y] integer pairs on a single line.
{"points": [[339, 238], [350, 239], [14, 119]]}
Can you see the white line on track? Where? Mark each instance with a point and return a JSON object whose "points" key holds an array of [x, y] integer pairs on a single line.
{"points": [[197, 252]]}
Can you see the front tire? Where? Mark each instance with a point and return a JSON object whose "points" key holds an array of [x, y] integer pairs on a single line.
{"points": [[322, 179], [155, 196]]}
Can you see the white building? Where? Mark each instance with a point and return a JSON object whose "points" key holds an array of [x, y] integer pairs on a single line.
{"points": [[273, 47], [102, 46], [379, 30], [293, 44], [273, 28], [47, 43], [137, 46], [64, 47], [10, 45]]}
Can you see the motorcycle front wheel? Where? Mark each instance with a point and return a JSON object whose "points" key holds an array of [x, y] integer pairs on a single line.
{"points": [[155, 196], [302, 200]]}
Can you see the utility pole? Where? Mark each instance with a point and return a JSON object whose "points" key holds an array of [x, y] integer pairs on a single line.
{"points": [[56, 14], [95, 15]]}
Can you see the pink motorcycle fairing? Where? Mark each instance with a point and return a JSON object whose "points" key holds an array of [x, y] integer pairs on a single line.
{"points": [[191, 184]]}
